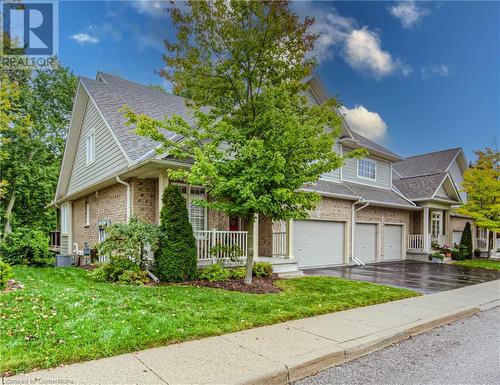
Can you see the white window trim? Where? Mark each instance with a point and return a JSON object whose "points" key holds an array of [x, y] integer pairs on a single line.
{"points": [[438, 217], [374, 167], [189, 199], [64, 219], [90, 155], [87, 213]]}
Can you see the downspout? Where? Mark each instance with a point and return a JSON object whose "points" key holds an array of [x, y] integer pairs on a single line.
{"points": [[356, 260], [129, 200]]}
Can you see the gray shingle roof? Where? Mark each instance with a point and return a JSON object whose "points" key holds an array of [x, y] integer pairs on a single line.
{"points": [[378, 195], [426, 164], [419, 187], [323, 186], [370, 145], [112, 94]]}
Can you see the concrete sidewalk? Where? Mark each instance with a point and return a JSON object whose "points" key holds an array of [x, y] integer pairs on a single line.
{"points": [[281, 353]]}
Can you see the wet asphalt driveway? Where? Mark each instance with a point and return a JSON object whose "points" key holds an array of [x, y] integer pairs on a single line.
{"points": [[424, 277]]}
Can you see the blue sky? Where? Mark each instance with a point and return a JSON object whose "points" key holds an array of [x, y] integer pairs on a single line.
{"points": [[414, 76]]}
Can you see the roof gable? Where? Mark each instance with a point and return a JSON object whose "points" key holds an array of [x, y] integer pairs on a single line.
{"points": [[429, 164]]}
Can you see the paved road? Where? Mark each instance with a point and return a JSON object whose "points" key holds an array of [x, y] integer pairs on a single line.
{"points": [[465, 352], [425, 277]]}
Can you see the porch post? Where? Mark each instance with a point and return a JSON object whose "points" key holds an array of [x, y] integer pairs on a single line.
{"points": [[427, 242], [447, 226], [289, 239], [162, 185], [255, 240]]}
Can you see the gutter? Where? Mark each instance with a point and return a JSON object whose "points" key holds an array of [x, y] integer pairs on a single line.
{"points": [[356, 260], [129, 200]]}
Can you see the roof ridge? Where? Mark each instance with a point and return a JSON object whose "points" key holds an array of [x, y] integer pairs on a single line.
{"points": [[433, 152]]}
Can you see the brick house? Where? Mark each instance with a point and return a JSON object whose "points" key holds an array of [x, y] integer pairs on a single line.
{"points": [[372, 210]]}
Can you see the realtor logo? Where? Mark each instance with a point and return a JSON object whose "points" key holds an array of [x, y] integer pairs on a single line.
{"points": [[29, 28]]}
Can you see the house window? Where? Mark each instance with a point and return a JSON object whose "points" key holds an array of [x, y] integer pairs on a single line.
{"points": [[436, 224], [90, 147], [64, 218], [367, 168], [197, 214], [87, 213]]}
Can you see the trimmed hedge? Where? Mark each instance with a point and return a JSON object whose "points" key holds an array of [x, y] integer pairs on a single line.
{"points": [[175, 260]]}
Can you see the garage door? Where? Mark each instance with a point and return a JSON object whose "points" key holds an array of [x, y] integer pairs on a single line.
{"points": [[318, 243], [457, 236], [365, 242], [393, 242]]}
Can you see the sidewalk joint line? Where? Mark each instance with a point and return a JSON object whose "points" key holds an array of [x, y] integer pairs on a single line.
{"points": [[150, 369]]}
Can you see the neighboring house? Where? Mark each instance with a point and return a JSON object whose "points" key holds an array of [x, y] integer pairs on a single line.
{"points": [[370, 208]]}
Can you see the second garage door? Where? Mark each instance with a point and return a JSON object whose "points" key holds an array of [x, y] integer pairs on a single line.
{"points": [[365, 242], [393, 242], [318, 243]]}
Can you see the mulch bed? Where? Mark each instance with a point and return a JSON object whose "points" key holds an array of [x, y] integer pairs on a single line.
{"points": [[258, 286]]}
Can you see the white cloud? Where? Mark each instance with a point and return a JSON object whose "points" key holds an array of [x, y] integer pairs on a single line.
{"points": [[151, 8], [409, 13], [367, 123], [361, 48], [85, 38], [435, 70]]}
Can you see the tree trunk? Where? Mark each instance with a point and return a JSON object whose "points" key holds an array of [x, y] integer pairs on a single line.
{"points": [[248, 276], [8, 215]]}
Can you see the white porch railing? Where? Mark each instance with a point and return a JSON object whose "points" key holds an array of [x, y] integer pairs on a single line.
{"points": [[482, 243], [415, 241], [279, 244], [216, 244]]}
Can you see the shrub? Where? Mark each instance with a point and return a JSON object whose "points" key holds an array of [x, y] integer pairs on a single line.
{"points": [[457, 255], [26, 247], [232, 252], [466, 240], [215, 273], [121, 270], [238, 273], [5, 274], [130, 240], [175, 260], [262, 269]]}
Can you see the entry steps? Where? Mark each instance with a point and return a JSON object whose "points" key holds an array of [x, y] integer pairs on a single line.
{"points": [[284, 267]]}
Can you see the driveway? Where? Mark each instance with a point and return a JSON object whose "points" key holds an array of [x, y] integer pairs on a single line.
{"points": [[424, 277]]}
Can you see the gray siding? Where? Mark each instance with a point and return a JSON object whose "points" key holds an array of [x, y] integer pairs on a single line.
{"points": [[333, 175], [310, 97], [64, 245], [382, 177], [458, 178], [109, 159], [441, 192]]}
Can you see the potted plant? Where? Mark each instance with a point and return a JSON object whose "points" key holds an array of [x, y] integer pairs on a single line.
{"points": [[436, 257], [446, 250]]}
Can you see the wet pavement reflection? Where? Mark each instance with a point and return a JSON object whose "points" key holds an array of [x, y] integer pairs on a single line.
{"points": [[424, 277]]}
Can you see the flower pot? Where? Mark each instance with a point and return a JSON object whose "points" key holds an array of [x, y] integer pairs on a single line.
{"points": [[437, 260], [447, 259]]}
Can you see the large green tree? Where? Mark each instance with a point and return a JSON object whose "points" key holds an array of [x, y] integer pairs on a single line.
{"points": [[482, 185], [33, 130], [259, 140]]}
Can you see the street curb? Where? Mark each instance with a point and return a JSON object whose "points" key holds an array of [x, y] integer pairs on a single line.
{"points": [[304, 367]]}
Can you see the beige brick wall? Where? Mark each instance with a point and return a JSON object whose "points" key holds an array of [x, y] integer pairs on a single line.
{"points": [[415, 226], [265, 237], [144, 194], [217, 220], [106, 204]]}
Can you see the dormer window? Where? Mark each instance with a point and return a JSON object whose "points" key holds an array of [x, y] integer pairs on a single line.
{"points": [[367, 168], [90, 147]]}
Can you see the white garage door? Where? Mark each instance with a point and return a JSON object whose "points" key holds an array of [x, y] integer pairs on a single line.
{"points": [[318, 243], [365, 242], [393, 242], [457, 236]]}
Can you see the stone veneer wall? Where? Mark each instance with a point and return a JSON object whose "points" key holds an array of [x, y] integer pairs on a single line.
{"points": [[217, 220], [458, 224], [106, 204], [384, 215], [415, 226]]}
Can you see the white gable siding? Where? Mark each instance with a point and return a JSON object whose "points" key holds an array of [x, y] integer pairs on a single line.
{"points": [[458, 178], [441, 192], [382, 177], [311, 99], [108, 157]]}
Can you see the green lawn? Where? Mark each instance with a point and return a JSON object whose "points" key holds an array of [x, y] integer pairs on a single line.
{"points": [[61, 316], [481, 263]]}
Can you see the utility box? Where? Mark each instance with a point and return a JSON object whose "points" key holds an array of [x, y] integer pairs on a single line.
{"points": [[63, 260]]}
